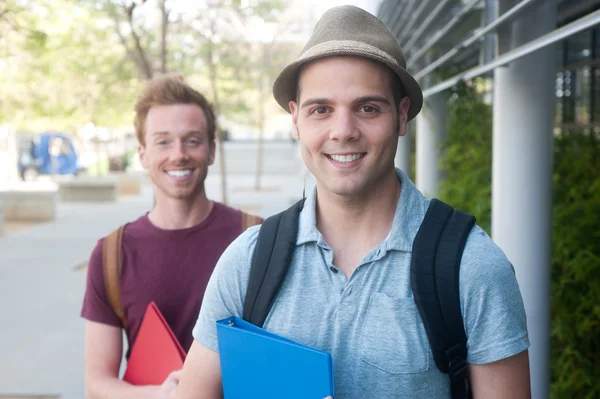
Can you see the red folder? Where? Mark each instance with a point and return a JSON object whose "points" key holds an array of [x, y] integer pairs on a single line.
{"points": [[156, 351]]}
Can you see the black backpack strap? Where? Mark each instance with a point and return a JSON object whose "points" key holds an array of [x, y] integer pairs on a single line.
{"points": [[272, 256], [435, 266]]}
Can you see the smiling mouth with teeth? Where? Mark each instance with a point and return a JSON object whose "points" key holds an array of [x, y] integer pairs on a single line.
{"points": [[179, 173], [346, 158]]}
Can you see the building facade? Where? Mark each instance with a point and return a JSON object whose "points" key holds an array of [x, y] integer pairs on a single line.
{"points": [[541, 62]]}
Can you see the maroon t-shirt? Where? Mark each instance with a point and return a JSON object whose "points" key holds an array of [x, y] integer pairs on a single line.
{"points": [[169, 267]]}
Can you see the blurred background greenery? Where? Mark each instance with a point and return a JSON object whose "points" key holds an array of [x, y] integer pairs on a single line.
{"points": [[575, 289]]}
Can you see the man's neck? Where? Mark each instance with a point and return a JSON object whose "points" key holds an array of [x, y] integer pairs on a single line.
{"points": [[354, 226], [176, 214]]}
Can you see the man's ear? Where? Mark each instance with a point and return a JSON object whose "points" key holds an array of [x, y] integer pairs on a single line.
{"points": [[142, 155], [212, 151], [403, 108], [294, 110]]}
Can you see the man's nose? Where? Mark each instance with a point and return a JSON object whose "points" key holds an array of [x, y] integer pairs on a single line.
{"points": [[178, 152], [344, 126]]}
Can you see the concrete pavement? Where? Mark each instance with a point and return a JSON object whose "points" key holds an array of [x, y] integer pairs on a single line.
{"points": [[41, 333]]}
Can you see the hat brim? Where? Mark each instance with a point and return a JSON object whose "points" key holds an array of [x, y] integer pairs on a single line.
{"points": [[284, 87]]}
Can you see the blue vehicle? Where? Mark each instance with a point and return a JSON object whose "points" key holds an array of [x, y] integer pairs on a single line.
{"points": [[48, 154]]}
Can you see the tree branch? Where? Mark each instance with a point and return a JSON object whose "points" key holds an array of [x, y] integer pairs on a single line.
{"points": [[144, 63], [130, 53], [163, 35]]}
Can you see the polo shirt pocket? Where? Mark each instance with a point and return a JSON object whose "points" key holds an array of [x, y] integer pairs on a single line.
{"points": [[393, 337]]}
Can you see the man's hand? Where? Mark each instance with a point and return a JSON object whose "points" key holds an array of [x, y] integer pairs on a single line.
{"points": [[169, 386]]}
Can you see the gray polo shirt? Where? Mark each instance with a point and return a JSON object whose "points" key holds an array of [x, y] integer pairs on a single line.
{"points": [[369, 323]]}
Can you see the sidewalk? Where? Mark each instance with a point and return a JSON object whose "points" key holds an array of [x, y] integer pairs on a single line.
{"points": [[41, 285]]}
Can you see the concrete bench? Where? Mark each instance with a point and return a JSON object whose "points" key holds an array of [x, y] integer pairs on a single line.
{"points": [[128, 183], [28, 205], [89, 189]]}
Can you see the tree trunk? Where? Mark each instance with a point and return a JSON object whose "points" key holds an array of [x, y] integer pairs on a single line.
{"points": [[213, 82], [163, 35], [137, 54], [260, 149], [266, 58]]}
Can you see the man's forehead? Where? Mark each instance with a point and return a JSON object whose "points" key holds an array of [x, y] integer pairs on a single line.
{"points": [[176, 109], [309, 74], [177, 119]]}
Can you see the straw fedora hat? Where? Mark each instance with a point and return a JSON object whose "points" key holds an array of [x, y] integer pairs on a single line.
{"points": [[349, 30]]}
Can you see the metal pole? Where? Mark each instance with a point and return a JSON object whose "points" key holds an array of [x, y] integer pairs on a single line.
{"points": [[477, 35], [488, 47], [524, 104], [383, 13], [577, 26], [404, 16], [407, 28], [431, 131], [441, 33], [394, 18], [434, 14]]}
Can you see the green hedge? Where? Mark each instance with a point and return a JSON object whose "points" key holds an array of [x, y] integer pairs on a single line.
{"points": [[575, 289], [467, 163], [576, 267]]}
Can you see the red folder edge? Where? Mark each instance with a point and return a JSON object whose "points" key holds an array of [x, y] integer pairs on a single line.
{"points": [[156, 351]]}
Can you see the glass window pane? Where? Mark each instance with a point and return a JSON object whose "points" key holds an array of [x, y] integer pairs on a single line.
{"points": [[558, 116], [560, 54], [560, 77], [583, 104], [579, 47], [597, 50], [596, 95], [568, 97]]}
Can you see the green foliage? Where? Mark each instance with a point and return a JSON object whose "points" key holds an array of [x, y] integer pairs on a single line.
{"points": [[36, 41], [467, 158], [575, 286], [64, 69], [65, 64], [575, 335]]}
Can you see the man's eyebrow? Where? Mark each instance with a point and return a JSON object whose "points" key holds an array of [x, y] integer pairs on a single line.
{"points": [[188, 133], [316, 101], [366, 99], [359, 100], [194, 132]]}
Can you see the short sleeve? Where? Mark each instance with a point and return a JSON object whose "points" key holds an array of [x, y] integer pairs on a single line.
{"points": [[95, 303], [491, 302], [226, 289]]}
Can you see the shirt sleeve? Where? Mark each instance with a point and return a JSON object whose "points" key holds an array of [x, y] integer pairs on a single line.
{"points": [[95, 303], [491, 302], [226, 289]]}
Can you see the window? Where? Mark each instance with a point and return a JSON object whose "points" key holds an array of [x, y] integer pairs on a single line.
{"points": [[583, 97], [578, 48], [596, 95], [560, 77], [577, 85], [568, 97]]}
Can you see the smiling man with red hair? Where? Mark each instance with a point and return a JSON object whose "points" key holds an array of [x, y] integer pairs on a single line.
{"points": [[169, 253]]}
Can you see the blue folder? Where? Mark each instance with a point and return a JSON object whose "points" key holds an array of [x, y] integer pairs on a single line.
{"points": [[258, 364]]}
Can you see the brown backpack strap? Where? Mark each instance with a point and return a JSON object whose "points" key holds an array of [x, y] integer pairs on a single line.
{"points": [[111, 265], [250, 220]]}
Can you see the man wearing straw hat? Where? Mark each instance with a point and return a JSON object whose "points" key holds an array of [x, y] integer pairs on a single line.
{"points": [[348, 287]]}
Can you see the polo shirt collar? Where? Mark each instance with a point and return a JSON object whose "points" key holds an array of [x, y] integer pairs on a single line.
{"points": [[410, 211]]}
